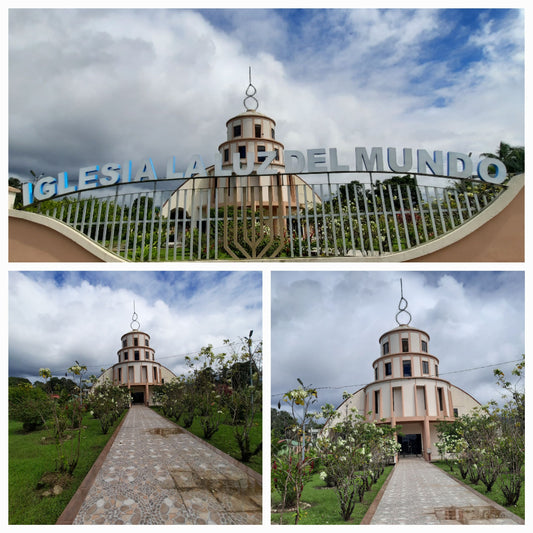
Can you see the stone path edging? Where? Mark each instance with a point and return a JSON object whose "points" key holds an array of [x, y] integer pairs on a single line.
{"points": [[73, 506], [504, 510], [374, 505]]}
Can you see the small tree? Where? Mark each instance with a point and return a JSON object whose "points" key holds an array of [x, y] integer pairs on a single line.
{"points": [[29, 405], [68, 415], [208, 399], [107, 402], [512, 444], [292, 466], [450, 443], [244, 398], [353, 453]]}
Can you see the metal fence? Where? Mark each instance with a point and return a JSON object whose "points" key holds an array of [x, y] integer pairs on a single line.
{"points": [[271, 221]]}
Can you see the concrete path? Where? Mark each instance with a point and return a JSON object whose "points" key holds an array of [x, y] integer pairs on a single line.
{"points": [[421, 493], [157, 473]]}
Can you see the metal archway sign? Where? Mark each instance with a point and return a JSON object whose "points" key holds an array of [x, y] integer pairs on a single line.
{"points": [[254, 217]]}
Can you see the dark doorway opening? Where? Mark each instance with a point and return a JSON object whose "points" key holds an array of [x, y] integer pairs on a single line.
{"points": [[411, 444], [137, 397]]}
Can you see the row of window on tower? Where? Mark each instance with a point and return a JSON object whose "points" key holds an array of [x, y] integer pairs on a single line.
{"points": [[242, 153], [405, 346], [136, 355], [131, 375], [397, 400], [407, 370], [135, 342], [258, 130]]}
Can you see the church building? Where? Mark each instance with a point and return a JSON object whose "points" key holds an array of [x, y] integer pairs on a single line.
{"points": [[407, 390], [234, 181], [136, 367]]}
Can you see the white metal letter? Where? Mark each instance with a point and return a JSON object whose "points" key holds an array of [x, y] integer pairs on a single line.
{"points": [[466, 164], [62, 184], [110, 174], [484, 174], [334, 162], [435, 164], [196, 167], [365, 162], [316, 157], [88, 178], [45, 188], [392, 160], [294, 161], [146, 171]]}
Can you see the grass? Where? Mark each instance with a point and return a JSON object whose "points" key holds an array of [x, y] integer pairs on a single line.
{"points": [[495, 494], [29, 459], [224, 440], [322, 504]]}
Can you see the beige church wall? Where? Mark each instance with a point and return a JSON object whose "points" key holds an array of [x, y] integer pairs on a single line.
{"points": [[462, 401]]}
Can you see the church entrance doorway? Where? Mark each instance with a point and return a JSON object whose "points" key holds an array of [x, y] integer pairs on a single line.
{"points": [[137, 397], [411, 444]]}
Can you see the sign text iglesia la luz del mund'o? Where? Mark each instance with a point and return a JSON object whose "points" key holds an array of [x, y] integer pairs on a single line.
{"points": [[317, 160]]}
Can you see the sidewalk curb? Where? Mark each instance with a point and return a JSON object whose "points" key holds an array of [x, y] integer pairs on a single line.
{"points": [[374, 505], [71, 510], [504, 510]]}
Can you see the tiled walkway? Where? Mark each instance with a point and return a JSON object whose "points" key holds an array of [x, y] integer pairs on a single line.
{"points": [[421, 493], [157, 473]]}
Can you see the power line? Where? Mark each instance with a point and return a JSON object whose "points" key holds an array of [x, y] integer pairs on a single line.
{"points": [[231, 343], [332, 387]]}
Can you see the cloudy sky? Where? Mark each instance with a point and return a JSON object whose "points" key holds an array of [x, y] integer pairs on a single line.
{"points": [[98, 86], [56, 318], [326, 326]]}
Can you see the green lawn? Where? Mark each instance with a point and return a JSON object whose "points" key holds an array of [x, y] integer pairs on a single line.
{"points": [[224, 440], [495, 494], [322, 504], [29, 459]]}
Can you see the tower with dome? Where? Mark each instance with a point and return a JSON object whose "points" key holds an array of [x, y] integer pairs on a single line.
{"points": [[407, 390], [233, 181], [136, 368]]}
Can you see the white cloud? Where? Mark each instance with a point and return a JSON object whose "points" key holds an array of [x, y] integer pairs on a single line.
{"points": [[98, 86], [326, 326], [57, 318]]}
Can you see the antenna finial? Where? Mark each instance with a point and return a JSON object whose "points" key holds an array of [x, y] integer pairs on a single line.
{"points": [[134, 320], [250, 102], [402, 307]]}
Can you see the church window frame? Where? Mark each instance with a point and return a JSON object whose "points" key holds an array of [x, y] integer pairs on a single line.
{"points": [[405, 345], [386, 348], [237, 130], [388, 368], [407, 370], [425, 367], [258, 130], [242, 151]]}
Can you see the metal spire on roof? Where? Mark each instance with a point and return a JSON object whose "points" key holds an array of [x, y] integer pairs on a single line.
{"points": [[134, 319], [250, 102], [402, 307]]}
